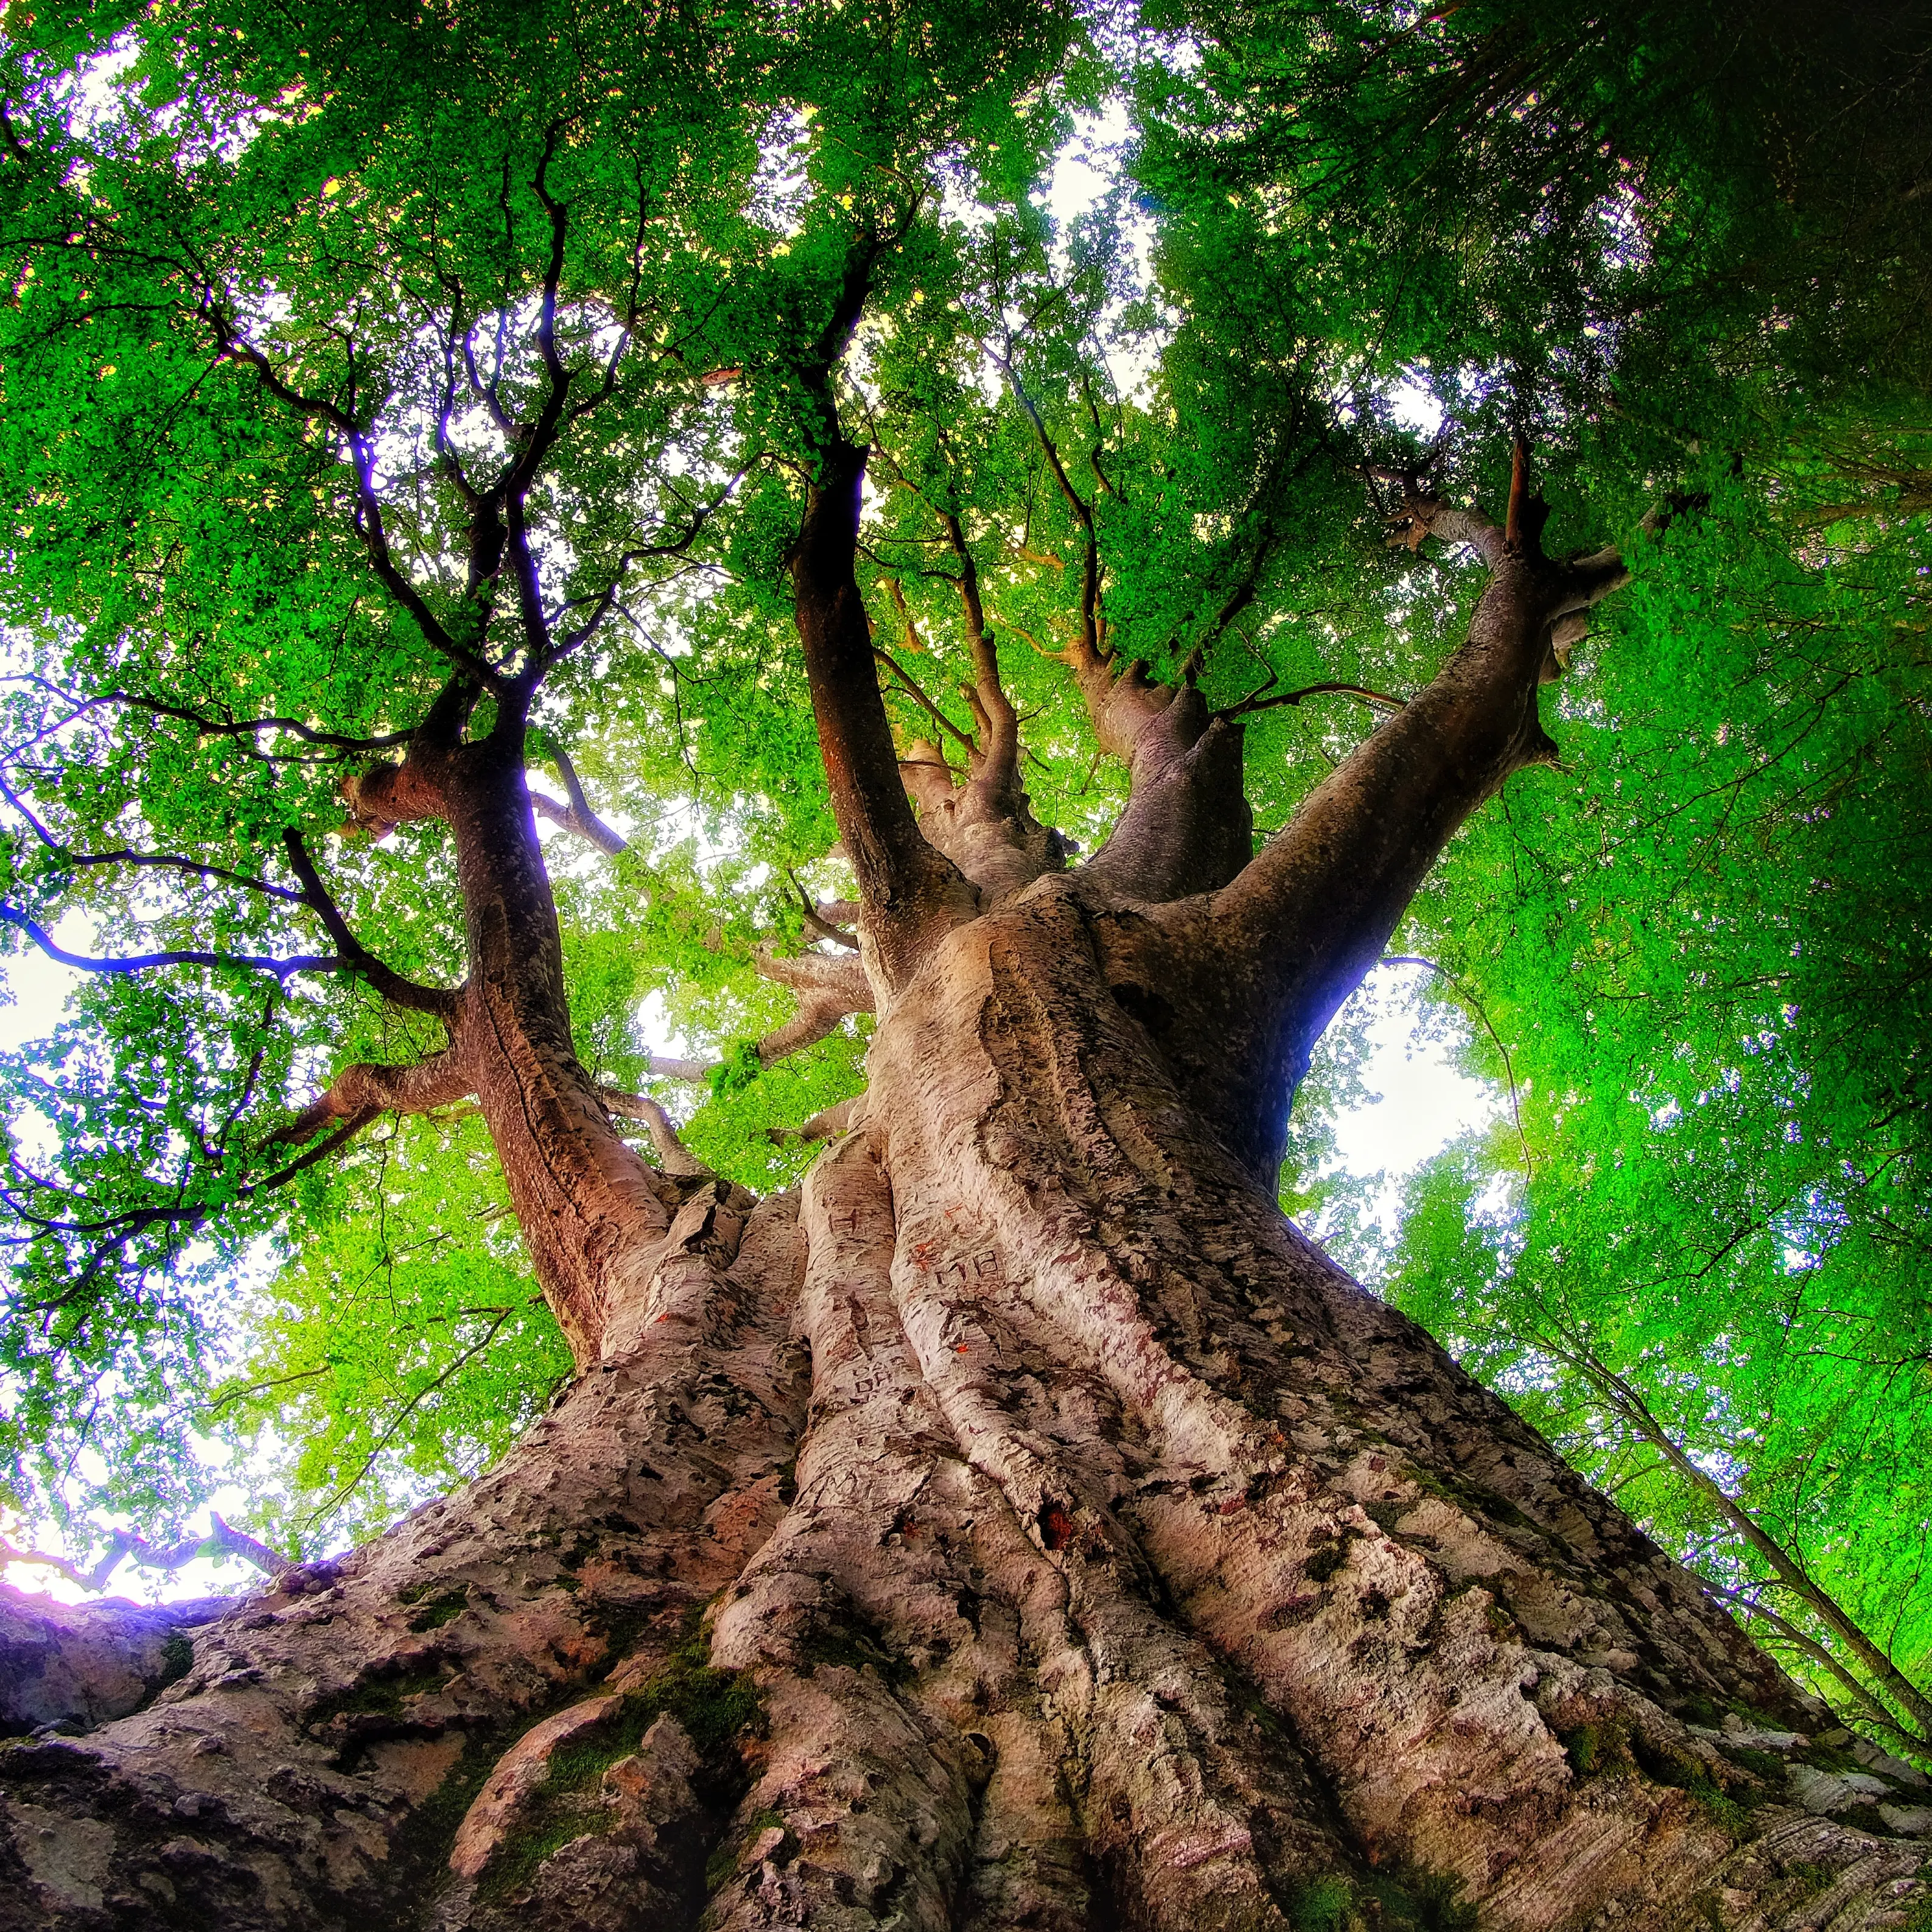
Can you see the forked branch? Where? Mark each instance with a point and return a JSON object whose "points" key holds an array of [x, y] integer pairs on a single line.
{"points": [[396, 987], [1309, 915], [910, 891], [673, 1156]]}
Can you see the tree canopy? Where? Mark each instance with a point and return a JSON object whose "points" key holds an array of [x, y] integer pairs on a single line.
{"points": [[483, 357]]}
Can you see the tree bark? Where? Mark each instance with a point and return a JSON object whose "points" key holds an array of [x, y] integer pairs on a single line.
{"points": [[589, 1209]]}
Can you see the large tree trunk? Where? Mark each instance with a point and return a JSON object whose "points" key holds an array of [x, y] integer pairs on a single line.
{"points": [[1027, 1528], [1024, 1527]]}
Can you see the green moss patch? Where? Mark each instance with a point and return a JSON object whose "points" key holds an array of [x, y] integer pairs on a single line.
{"points": [[1322, 1905], [382, 1693], [854, 1643], [1403, 1899], [1326, 1558], [1611, 1749], [718, 1709], [177, 1661], [723, 1861], [433, 1608]]}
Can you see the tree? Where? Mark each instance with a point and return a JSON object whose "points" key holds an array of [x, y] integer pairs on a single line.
{"points": [[1020, 1522]]}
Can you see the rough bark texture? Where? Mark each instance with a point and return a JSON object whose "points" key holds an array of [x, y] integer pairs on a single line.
{"points": [[1025, 1526], [1031, 1529], [589, 1208], [74, 1668]]}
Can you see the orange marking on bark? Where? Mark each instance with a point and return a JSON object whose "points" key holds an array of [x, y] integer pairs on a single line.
{"points": [[1519, 492]]}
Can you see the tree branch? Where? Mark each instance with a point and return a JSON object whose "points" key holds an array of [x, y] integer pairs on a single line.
{"points": [[360, 1092], [1089, 651], [829, 986], [120, 1229], [1873, 1709], [367, 520], [668, 1067], [154, 861], [1309, 915], [906, 886], [211, 727], [223, 1539], [1255, 701], [673, 1156], [910, 686], [141, 962], [1785, 1567], [822, 921], [581, 821], [384, 979]]}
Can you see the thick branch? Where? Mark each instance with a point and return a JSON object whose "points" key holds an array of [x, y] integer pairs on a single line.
{"points": [[673, 1156], [1294, 933], [1188, 827], [383, 796], [1422, 513], [363, 1091], [577, 817], [829, 986], [826, 921], [223, 1539], [909, 890], [669, 1067]]}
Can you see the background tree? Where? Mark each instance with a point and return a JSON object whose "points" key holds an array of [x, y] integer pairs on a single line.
{"points": [[1020, 1522]]}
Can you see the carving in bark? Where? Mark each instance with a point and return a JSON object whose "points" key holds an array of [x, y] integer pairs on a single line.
{"points": [[1024, 1525]]}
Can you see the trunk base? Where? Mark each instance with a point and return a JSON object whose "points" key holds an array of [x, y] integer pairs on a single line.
{"points": [[1028, 1529]]}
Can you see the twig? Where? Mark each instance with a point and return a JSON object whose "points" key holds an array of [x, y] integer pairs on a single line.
{"points": [[1256, 702]]}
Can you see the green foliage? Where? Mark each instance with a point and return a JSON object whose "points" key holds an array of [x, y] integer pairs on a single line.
{"points": [[401, 1346], [1702, 944], [736, 1071], [1691, 959]]}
